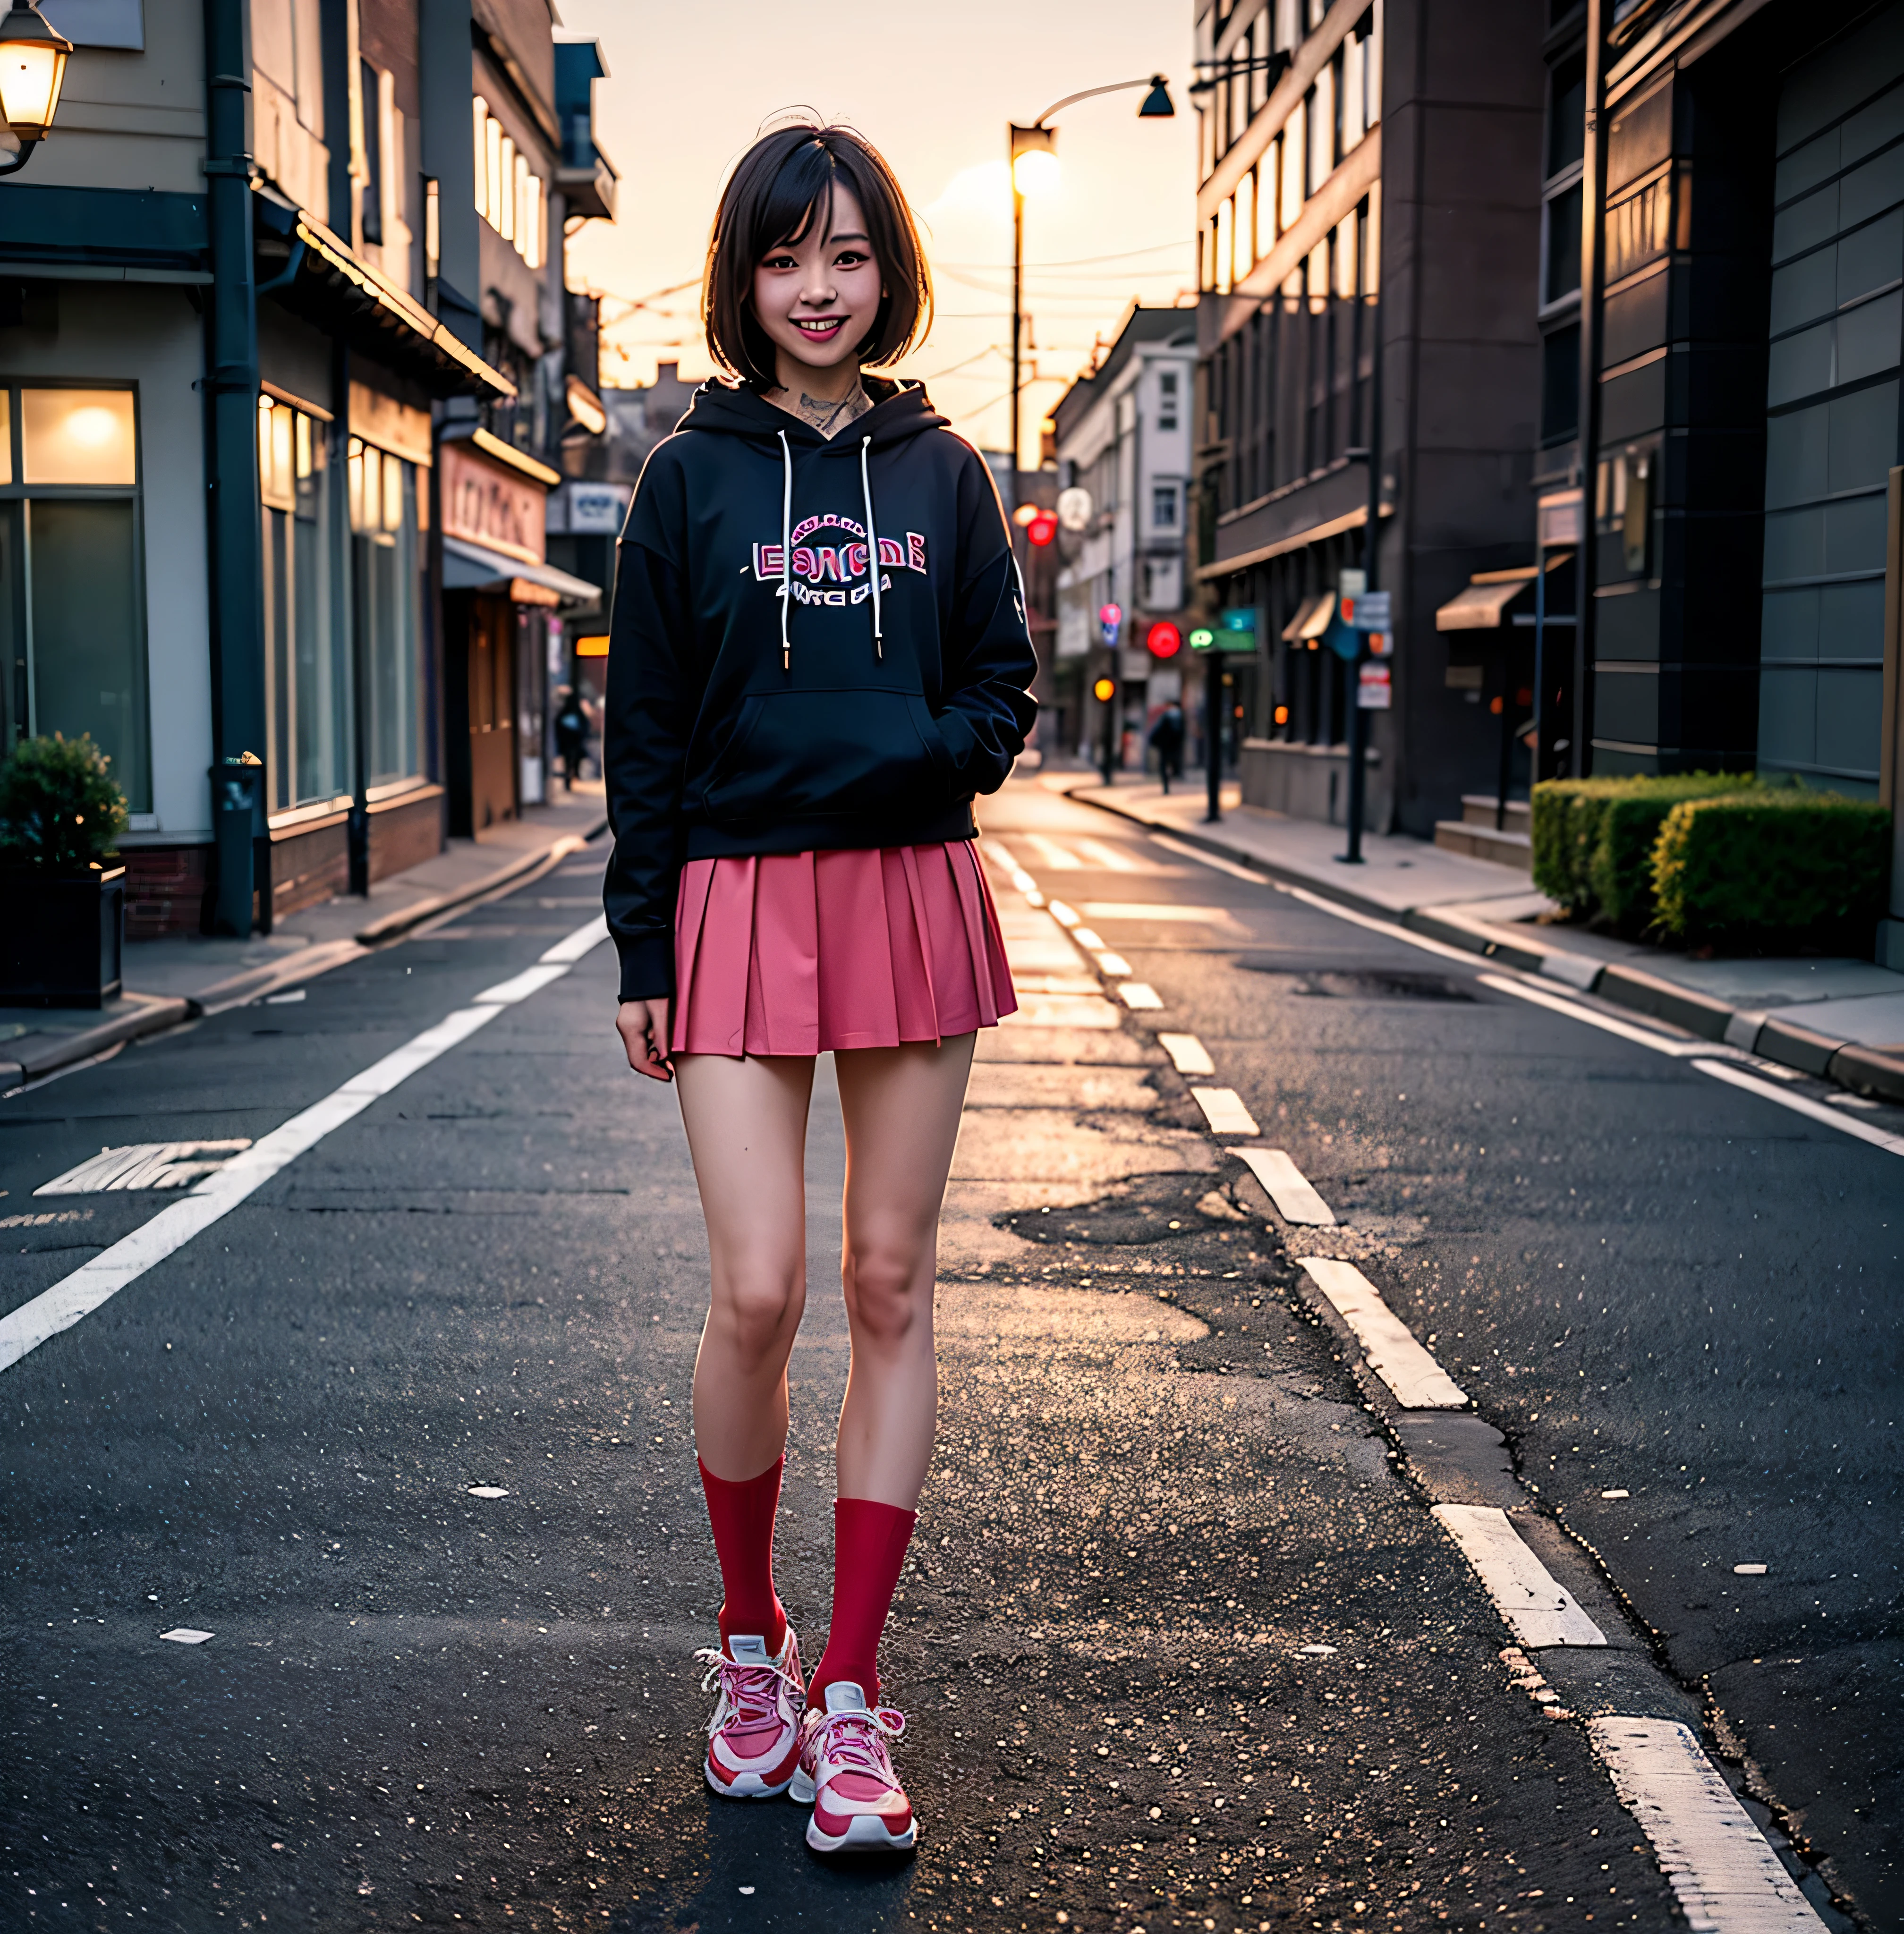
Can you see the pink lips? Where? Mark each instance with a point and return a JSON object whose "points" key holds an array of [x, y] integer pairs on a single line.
{"points": [[831, 325]]}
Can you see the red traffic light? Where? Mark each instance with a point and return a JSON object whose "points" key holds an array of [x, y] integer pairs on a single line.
{"points": [[1042, 528], [1163, 639]]}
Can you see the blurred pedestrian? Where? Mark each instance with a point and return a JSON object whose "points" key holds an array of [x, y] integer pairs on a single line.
{"points": [[571, 735], [1166, 742], [820, 656]]}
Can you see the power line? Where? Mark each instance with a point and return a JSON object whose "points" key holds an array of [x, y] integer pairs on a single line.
{"points": [[1077, 261]]}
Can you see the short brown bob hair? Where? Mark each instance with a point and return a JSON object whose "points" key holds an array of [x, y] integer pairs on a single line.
{"points": [[784, 183]]}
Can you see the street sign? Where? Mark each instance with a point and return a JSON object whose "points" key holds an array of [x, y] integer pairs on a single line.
{"points": [[1238, 618], [1367, 611], [1074, 507], [1110, 623], [1202, 638], [1375, 692]]}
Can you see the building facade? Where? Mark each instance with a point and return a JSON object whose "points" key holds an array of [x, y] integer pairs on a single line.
{"points": [[1124, 438], [1369, 201], [283, 350]]}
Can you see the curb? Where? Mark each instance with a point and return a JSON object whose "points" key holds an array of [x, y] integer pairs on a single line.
{"points": [[1866, 1070], [518, 871], [153, 1014]]}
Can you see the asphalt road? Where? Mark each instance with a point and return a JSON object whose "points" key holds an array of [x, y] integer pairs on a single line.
{"points": [[1158, 1483]]}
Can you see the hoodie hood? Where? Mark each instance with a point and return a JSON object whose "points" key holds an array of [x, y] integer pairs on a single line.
{"points": [[900, 410]]}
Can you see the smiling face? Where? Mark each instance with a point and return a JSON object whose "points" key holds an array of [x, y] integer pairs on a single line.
{"points": [[817, 298]]}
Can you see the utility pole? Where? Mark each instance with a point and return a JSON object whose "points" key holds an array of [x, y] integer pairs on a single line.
{"points": [[1593, 276], [1017, 312], [1358, 716], [231, 409]]}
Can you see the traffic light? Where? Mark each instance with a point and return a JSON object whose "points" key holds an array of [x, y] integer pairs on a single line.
{"points": [[1104, 691], [1163, 639], [1042, 528]]}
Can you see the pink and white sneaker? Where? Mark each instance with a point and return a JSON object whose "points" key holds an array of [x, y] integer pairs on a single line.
{"points": [[846, 1775], [753, 1746]]}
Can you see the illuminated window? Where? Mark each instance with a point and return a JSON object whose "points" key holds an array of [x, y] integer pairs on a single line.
{"points": [[72, 591]]}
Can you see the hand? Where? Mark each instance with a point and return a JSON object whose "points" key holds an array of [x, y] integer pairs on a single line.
{"points": [[642, 1025]]}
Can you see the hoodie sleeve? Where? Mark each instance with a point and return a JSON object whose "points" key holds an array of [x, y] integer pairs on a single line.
{"points": [[654, 690], [989, 664]]}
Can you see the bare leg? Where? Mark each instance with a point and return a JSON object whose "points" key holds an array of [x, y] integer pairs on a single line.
{"points": [[746, 1122], [902, 1107]]}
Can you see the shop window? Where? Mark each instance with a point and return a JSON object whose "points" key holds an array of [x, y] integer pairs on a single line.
{"points": [[385, 560], [72, 600], [307, 664], [1561, 246]]}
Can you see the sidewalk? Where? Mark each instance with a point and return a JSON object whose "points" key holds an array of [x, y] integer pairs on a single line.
{"points": [[168, 981], [1840, 1018]]}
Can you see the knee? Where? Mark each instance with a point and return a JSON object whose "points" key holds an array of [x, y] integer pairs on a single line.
{"points": [[760, 1308], [888, 1292]]}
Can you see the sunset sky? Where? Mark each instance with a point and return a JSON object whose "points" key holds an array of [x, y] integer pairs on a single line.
{"points": [[932, 87]]}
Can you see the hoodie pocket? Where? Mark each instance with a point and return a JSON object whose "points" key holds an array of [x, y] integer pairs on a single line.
{"points": [[800, 755]]}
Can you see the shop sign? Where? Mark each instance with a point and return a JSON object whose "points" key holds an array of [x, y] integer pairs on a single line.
{"points": [[596, 510], [1374, 692], [485, 503], [400, 428]]}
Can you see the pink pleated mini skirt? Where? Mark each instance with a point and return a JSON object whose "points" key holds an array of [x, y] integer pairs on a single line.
{"points": [[807, 953]]}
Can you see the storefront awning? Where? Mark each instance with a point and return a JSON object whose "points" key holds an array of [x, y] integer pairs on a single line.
{"points": [[1482, 605], [470, 567], [1311, 619]]}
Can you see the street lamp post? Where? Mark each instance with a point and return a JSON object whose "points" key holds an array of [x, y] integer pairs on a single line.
{"points": [[1022, 143], [32, 69]]}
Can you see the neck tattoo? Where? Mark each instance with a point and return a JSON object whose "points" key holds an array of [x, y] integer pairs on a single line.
{"points": [[828, 414]]}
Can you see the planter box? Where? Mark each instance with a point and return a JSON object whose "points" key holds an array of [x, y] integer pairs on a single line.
{"points": [[62, 943]]}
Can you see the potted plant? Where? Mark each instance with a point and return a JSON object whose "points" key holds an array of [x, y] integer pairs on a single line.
{"points": [[64, 941]]}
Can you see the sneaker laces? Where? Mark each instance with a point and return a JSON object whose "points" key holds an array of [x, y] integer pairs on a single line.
{"points": [[856, 1742], [749, 1693]]}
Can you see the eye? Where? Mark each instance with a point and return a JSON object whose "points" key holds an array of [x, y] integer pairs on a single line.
{"points": [[851, 258], [780, 259]]}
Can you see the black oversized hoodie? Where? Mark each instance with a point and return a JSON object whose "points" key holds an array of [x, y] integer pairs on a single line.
{"points": [[770, 691]]}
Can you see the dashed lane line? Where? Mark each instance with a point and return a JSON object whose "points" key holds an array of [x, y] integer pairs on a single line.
{"points": [[1803, 1104], [1418, 1381], [75, 1297], [1538, 1609], [1188, 1055], [1223, 1109], [1139, 995], [1288, 1187], [1714, 1858], [1720, 1867]]}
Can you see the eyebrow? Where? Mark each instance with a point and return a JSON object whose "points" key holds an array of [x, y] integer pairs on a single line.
{"points": [[834, 241]]}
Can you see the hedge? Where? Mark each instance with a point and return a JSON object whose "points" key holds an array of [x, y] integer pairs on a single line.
{"points": [[1773, 864], [1593, 838]]}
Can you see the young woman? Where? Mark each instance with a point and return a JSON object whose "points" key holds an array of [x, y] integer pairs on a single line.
{"points": [[818, 657]]}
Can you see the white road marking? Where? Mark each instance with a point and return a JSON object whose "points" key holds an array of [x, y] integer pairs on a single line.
{"points": [[1296, 1199], [1539, 1609], [1211, 860], [1114, 964], [1060, 859], [579, 943], [487, 1491], [1062, 1011], [1188, 1055], [143, 1165], [1161, 910], [76, 1296], [1066, 916], [1418, 1381], [530, 980], [1716, 1860], [185, 1635], [1615, 1494], [1387, 926], [1748, 1570], [1803, 1104], [1559, 1004], [1085, 937], [285, 1000], [1110, 859], [1223, 1109], [1137, 994]]}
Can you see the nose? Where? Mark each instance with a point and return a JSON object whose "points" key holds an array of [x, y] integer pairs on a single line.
{"points": [[817, 289]]}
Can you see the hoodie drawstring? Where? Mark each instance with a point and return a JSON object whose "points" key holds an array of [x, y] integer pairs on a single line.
{"points": [[786, 551], [872, 548]]}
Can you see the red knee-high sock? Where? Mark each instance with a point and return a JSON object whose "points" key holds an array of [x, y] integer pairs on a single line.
{"points": [[870, 1542], [741, 1515]]}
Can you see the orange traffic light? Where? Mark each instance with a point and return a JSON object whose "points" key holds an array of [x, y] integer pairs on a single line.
{"points": [[1104, 691]]}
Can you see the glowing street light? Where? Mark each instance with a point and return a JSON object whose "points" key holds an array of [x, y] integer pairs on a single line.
{"points": [[32, 68], [1033, 152]]}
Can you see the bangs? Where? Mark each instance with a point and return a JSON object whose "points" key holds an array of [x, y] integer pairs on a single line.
{"points": [[783, 186]]}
